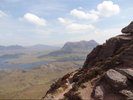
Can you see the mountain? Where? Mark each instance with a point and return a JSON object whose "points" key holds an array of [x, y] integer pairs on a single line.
{"points": [[81, 45], [107, 73], [75, 47]]}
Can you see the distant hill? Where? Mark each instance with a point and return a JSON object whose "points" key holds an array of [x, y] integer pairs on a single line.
{"points": [[13, 49], [75, 47]]}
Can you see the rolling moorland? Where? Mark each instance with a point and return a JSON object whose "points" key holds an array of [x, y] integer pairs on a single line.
{"points": [[28, 72]]}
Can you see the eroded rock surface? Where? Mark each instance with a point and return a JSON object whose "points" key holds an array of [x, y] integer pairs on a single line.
{"points": [[127, 72], [127, 93], [116, 79], [99, 94]]}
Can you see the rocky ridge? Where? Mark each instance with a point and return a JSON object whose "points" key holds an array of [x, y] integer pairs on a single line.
{"points": [[107, 73], [81, 45]]}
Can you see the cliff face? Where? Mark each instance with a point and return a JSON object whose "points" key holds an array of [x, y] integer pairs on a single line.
{"points": [[107, 73]]}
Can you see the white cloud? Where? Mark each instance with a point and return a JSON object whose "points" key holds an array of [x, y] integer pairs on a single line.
{"points": [[2, 14], [108, 8], [104, 9], [61, 20], [35, 19], [64, 21], [83, 15], [75, 27]]}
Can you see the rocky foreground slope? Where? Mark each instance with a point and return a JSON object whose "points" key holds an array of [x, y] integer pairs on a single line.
{"points": [[107, 73]]}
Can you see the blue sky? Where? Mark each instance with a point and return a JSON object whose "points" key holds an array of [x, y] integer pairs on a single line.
{"points": [[54, 22]]}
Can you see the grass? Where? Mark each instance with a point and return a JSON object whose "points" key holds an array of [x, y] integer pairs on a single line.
{"points": [[31, 84]]}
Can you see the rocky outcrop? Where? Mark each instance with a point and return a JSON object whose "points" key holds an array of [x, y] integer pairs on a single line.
{"points": [[128, 29], [109, 69], [116, 78], [106, 51], [99, 94], [127, 72], [128, 94], [115, 83]]}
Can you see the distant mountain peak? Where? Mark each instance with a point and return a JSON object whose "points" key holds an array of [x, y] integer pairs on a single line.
{"points": [[80, 45], [75, 47]]}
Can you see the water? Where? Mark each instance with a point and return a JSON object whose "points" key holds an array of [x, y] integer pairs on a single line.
{"points": [[5, 65]]}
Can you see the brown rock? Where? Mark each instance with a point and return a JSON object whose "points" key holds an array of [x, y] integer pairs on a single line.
{"points": [[128, 29], [108, 49], [116, 79], [127, 72], [99, 94], [128, 94]]}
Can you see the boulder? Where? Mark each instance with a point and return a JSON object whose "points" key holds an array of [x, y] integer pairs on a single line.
{"points": [[116, 79], [99, 94], [128, 94], [127, 72]]}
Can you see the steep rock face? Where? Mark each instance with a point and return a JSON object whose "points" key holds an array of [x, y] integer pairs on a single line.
{"points": [[106, 51], [107, 74], [128, 29]]}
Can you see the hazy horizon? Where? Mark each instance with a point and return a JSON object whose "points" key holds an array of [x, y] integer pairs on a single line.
{"points": [[55, 45]]}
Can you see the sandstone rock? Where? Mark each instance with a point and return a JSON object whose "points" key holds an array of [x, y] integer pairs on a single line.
{"points": [[108, 49], [116, 79], [99, 94], [127, 72], [128, 94], [128, 29]]}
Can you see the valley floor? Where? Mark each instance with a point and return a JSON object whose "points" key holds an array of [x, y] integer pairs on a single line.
{"points": [[32, 84]]}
